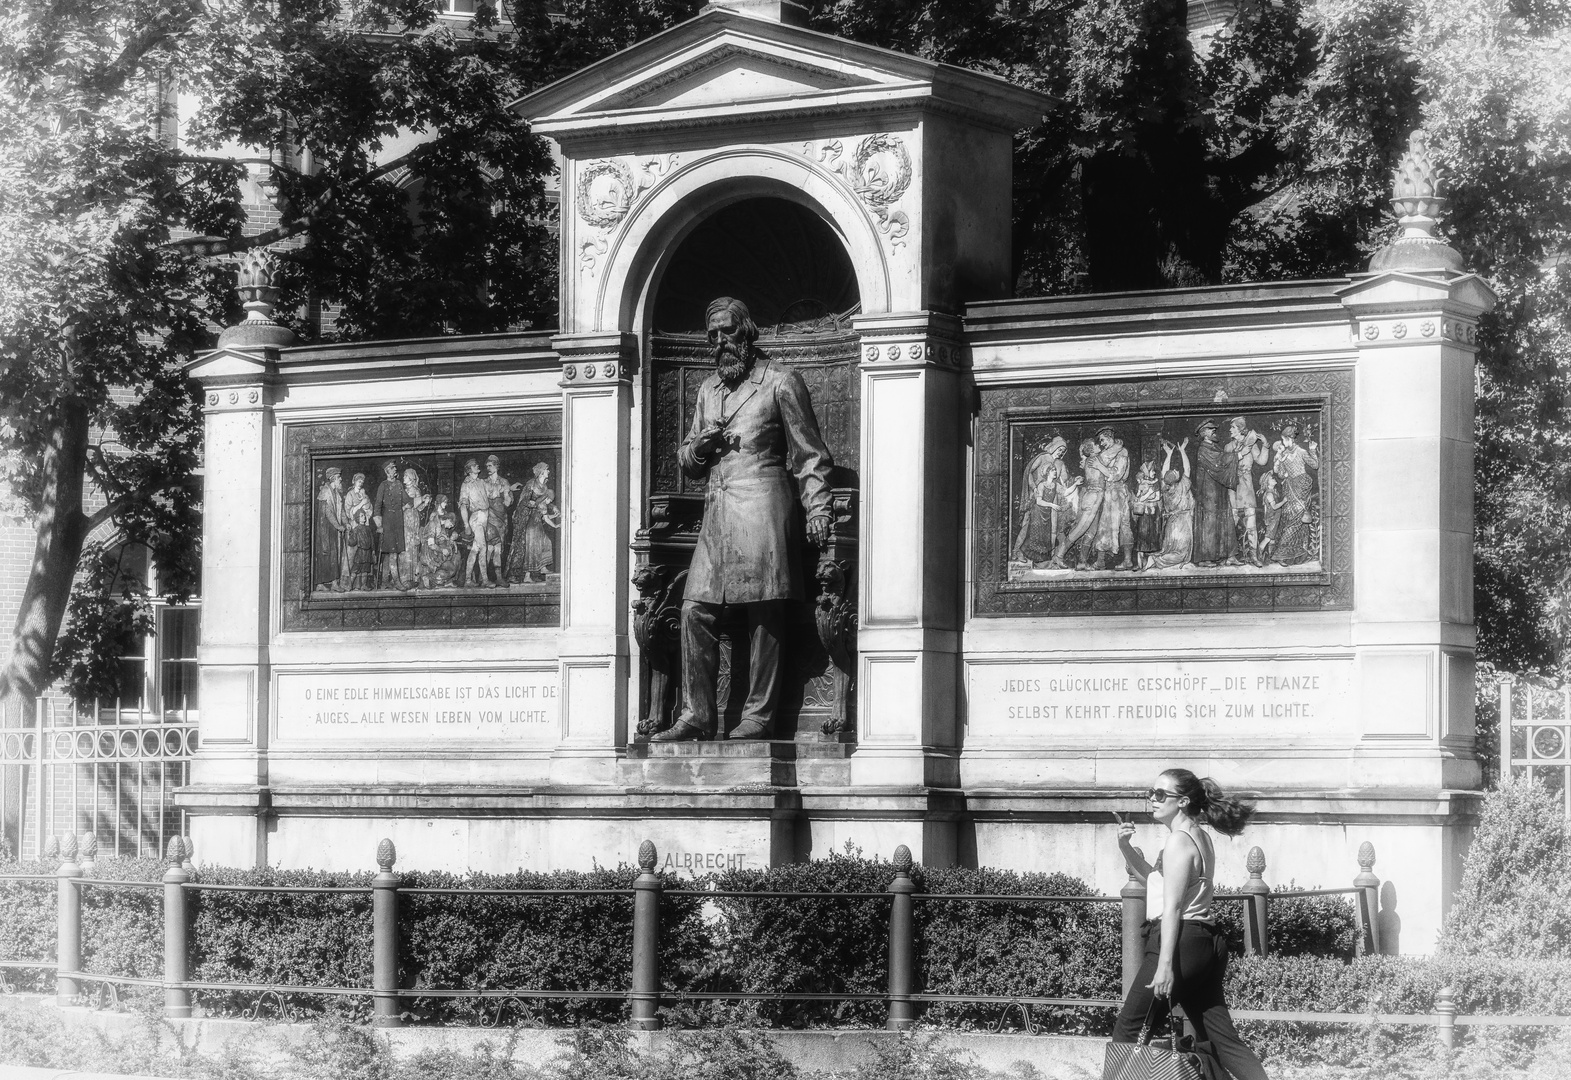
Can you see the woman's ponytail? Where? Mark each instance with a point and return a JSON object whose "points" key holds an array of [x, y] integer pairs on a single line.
{"points": [[1208, 802]]}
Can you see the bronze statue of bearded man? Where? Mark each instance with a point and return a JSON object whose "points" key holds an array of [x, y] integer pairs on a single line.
{"points": [[753, 431]]}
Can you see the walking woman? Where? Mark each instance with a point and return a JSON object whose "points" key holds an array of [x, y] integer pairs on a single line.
{"points": [[1185, 957]]}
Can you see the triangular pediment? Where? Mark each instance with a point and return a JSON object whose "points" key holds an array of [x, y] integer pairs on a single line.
{"points": [[724, 67], [228, 364], [731, 72]]}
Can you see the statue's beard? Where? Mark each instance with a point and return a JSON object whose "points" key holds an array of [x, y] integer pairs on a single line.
{"points": [[732, 363]]}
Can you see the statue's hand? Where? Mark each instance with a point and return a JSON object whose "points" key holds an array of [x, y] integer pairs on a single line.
{"points": [[818, 530], [710, 441]]}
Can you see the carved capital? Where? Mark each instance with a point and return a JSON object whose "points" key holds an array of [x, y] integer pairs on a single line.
{"points": [[914, 339], [593, 361]]}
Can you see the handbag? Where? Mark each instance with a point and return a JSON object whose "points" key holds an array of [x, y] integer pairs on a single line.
{"points": [[1171, 1058]]}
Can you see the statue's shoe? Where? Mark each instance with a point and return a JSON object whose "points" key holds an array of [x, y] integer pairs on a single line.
{"points": [[749, 729], [680, 731]]}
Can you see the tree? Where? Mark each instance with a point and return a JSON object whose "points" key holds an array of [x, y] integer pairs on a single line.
{"points": [[112, 236]]}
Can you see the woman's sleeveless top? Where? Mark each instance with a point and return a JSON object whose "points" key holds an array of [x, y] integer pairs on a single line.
{"points": [[1198, 895]]}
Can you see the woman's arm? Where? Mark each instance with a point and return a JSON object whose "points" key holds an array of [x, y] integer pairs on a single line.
{"points": [[1136, 862], [1177, 869]]}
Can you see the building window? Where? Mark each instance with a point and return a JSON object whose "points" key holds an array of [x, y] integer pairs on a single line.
{"points": [[175, 646], [456, 7]]}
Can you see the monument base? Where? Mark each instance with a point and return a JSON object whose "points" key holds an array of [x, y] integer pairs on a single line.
{"points": [[732, 763]]}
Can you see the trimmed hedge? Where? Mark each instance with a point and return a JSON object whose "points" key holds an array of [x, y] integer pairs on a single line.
{"points": [[1390, 984], [766, 945], [305, 939]]}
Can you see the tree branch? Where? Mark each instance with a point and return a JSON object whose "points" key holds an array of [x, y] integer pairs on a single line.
{"points": [[138, 46], [217, 245], [103, 514]]}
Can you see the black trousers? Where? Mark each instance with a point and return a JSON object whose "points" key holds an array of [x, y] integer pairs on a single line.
{"points": [[1199, 963]]}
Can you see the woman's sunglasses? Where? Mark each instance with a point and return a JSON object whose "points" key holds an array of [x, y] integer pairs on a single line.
{"points": [[1158, 795]]}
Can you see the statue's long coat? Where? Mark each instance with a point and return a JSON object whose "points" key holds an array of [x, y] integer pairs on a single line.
{"points": [[746, 550]]}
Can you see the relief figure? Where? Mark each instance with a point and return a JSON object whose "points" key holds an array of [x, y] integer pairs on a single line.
{"points": [[1082, 536], [387, 512], [1249, 446], [1178, 504], [533, 553], [1146, 510], [1298, 528], [414, 502], [327, 562], [1045, 501], [753, 430], [1215, 482], [474, 507], [360, 538], [499, 496], [1114, 537], [439, 554]]}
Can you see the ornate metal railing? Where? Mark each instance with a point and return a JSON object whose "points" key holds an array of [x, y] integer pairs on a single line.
{"points": [[110, 772], [1535, 733]]}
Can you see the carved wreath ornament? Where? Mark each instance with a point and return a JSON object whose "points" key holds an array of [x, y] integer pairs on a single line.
{"points": [[605, 191], [879, 172]]}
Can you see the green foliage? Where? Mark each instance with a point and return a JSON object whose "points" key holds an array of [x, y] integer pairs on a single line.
{"points": [[27, 923], [819, 944], [1297, 925], [1391, 985], [1515, 897], [1027, 949], [544, 943]]}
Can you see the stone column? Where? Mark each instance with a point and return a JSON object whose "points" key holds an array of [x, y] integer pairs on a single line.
{"points": [[229, 772], [1414, 319], [597, 395], [915, 398]]}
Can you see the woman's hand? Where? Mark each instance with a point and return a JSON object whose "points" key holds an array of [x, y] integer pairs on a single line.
{"points": [[1126, 833], [1162, 984]]}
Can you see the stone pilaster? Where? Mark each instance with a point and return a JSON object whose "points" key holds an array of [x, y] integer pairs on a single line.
{"points": [[1413, 478], [597, 372], [915, 398], [229, 773]]}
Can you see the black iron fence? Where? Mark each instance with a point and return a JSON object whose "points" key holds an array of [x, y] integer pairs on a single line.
{"points": [[645, 995]]}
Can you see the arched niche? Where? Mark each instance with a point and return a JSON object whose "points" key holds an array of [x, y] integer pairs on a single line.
{"points": [[799, 277], [635, 262]]}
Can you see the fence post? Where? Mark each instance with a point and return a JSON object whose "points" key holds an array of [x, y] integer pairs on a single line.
{"points": [[384, 939], [177, 957], [1134, 907], [1507, 685], [645, 999], [1369, 901], [68, 923], [1257, 927], [902, 944], [87, 846], [1445, 1016]]}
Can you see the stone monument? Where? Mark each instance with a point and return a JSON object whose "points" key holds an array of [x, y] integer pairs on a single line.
{"points": [[1041, 549]]}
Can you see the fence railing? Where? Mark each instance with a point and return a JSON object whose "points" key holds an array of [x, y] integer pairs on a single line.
{"points": [[110, 770], [1535, 733], [647, 894]]}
